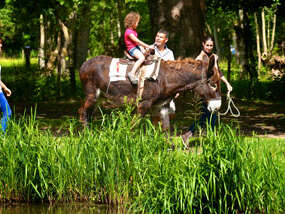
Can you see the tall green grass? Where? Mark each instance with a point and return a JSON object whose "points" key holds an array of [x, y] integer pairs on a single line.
{"points": [[124, 160]]}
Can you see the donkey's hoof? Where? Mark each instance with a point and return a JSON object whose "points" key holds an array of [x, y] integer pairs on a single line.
{"points": [[185, 138]]}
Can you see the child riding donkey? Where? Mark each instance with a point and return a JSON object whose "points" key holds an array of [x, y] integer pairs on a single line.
{"points": [[135, 47]]}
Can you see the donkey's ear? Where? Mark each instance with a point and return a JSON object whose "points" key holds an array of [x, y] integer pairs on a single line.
{"points": [[211, 65], [205, 60]]}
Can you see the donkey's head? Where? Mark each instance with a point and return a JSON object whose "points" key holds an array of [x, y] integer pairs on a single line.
{"points": [[210, 84]]}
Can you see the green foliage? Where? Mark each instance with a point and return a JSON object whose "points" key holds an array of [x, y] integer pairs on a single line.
{"points": [[31, 85], [7, 30], [123, 159], [263, 90], [105, 36], [7, 27], [235, 5]]}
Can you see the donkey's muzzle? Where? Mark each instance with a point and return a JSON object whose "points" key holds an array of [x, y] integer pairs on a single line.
{"points": [[214, 104]]}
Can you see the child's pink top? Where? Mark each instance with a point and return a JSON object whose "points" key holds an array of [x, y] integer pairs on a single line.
{"points": [[128, 42]]}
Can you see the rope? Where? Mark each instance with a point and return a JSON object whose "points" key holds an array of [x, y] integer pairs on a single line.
{"points": [[108, 87], [230, 101]]}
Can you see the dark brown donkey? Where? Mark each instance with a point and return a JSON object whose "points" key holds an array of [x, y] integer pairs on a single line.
{"points": [[174, 77]]}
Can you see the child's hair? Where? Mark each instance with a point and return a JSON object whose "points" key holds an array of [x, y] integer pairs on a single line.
{"points": [[131, 19]]}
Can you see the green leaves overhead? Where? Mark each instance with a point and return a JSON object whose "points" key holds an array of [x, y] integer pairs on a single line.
{"points": [[249, 5]]}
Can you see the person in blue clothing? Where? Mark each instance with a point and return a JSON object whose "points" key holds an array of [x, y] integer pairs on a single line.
{"points": [[207, 116], [4, 106]]}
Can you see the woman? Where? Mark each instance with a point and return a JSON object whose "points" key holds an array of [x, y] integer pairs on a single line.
{"points": [[207, 116], [4, 106]]}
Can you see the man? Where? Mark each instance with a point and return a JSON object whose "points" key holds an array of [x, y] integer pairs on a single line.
{"points": [[160, 47], [162, 51]]}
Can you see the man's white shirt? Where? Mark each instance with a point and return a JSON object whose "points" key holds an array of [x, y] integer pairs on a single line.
{"points": [[167, 54]]}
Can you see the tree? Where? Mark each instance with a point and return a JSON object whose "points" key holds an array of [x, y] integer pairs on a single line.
{"points": [[185, 21], [244, 32], [222, 31]]}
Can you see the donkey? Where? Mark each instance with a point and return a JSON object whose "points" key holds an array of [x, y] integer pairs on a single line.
{"points": [[173, 77]]}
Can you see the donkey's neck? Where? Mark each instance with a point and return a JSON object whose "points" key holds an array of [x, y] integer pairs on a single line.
{"points": [[177, 81]]}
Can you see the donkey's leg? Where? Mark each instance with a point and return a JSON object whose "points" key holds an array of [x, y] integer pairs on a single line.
{"points": [[164, 118], [143, 107], [89, 102]]}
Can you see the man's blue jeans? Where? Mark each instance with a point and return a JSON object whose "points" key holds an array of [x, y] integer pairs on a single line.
{"points": [[205, 118], [6, 110]]}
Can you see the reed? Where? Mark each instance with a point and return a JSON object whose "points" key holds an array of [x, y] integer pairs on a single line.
{"points": [[124, 160]]}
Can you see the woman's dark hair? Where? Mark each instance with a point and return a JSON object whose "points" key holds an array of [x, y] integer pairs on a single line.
{"points": [[208, 38]]}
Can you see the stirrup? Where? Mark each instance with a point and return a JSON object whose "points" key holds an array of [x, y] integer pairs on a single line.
{"points": [[132, 78]]}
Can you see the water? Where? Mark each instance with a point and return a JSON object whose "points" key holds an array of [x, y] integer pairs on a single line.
{"points": [[59, 208]]}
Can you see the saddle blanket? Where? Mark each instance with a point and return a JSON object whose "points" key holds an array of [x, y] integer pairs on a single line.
{"points": [[118, 71]]}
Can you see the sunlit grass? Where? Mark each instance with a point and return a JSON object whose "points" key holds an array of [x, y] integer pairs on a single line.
{"points": [[15, 61]]}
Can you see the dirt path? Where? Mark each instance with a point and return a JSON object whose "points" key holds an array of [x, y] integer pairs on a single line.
{"points": [[262, 118], [256, 118]]}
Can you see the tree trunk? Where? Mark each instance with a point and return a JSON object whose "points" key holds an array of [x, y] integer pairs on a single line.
{"points": [[81, 37], [273, 33], [239, 30], [185, 21], [120, 19], [263, 31], [41, 56], [65, 45], [234, 37], [120, 23], [257, 42], [251, 65], [58, 68], [52, 47], [268, 34], [217, 45], [228, 55]]}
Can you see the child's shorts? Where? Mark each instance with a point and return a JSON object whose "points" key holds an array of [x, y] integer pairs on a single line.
{"points": [[134, 50]]}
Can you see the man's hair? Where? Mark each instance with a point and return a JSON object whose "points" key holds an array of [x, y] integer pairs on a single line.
{"points": [[164, 32], [130, 19]]}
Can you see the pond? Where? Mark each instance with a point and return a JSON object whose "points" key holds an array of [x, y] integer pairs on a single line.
{"points": [[59, 208]]}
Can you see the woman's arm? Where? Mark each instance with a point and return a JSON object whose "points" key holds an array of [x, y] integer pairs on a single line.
{"points": [[6, 89], [139, 42], [229, 87]]}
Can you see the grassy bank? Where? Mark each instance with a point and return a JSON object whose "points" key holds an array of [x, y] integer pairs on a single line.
{"points": [[124, 159]]}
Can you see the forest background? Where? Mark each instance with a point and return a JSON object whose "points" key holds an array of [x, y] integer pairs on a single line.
{"points": [[123, 159], [55, 37]]}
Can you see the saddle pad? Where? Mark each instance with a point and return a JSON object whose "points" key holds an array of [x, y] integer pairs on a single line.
{"points": [[117, 71]]}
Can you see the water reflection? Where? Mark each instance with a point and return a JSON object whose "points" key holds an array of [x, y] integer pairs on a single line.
{"points": [[70, 208]]}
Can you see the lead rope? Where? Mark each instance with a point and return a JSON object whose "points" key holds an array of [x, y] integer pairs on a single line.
{"points": [[230, 101]]}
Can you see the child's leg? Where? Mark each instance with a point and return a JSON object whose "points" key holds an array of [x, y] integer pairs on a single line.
{"points": [[138, 54], [5, 108]]}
